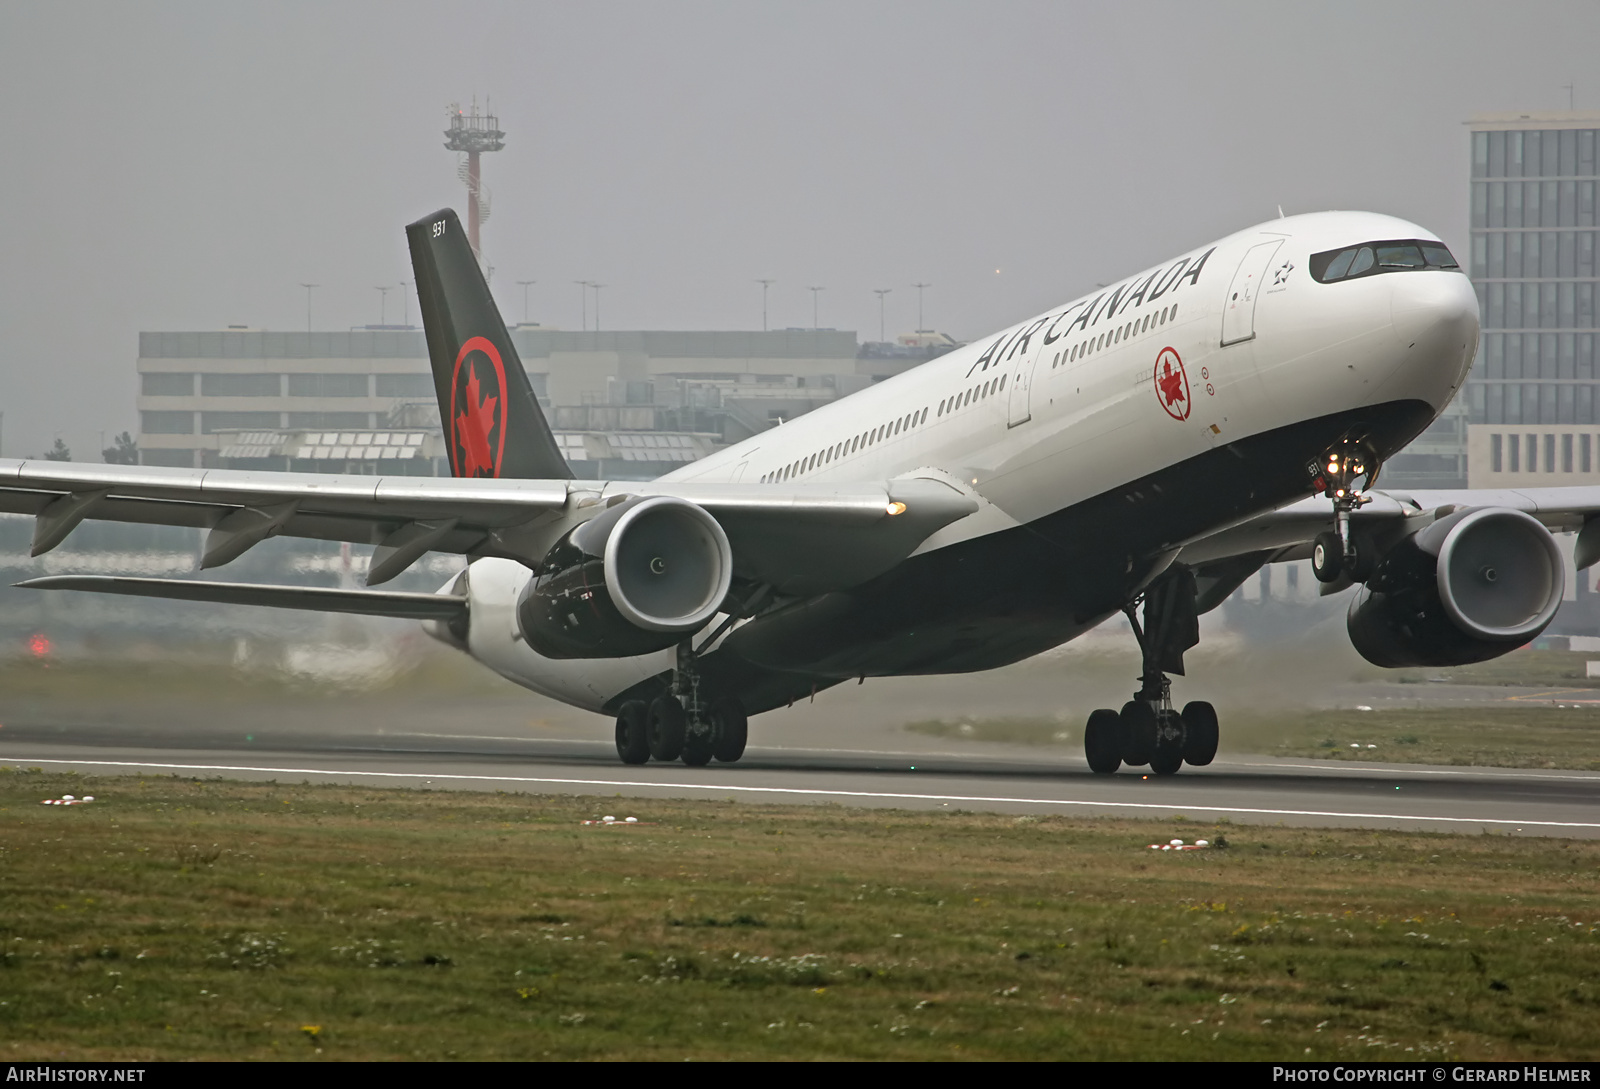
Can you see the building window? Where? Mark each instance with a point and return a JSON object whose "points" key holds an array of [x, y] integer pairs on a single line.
{"points": [[353, 421], [1566, 453], [405, 385], [1584, 462], [211, 422], [1495, 448], [166, 423], [166, 385], [1549, 453], [240, 385], [328, 385], [1533, 453], [1514, 448]]}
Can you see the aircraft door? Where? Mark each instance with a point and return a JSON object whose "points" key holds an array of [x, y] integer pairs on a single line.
{"points": [[1239, 308], [1018, 408]]}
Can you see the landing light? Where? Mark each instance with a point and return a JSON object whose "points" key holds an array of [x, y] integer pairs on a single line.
{"points": [[895, 508]]}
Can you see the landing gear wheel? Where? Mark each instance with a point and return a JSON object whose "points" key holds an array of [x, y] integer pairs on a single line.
{"points": [[1137, 728], [730, 729], [633, 739], [1199, 733], [667, 728], [1167, 756], [1327, 557], [697, 747], [1102, 742]]}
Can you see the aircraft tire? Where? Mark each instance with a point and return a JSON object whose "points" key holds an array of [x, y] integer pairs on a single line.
{"points": [[668, 726], [633, 738], [1137, 731], [1200, 733], [1327, 556], [1102, 742], [730, 729], [1166, 757], [697, 749]]}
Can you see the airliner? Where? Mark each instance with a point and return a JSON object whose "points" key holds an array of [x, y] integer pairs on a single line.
{"points": [[1141, 450]]}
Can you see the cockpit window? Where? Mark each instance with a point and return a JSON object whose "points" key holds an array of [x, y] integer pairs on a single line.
{"points": [[1372, 258]]}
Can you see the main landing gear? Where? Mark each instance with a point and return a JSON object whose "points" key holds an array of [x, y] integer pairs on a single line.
{"points": [[1147, 730], [679, 724]]}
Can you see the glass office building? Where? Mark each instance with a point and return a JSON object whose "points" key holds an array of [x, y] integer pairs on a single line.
{"points": [[1533, 399]]}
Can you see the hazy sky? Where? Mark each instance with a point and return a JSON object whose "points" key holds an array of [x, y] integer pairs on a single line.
{"points": [[186, 166]]}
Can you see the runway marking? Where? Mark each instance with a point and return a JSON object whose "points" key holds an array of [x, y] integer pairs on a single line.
{"points": [[1553, 696], [1537, 775], [812, 792]]}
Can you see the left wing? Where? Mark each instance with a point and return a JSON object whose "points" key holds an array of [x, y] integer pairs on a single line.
{"points": [[800, 538]]}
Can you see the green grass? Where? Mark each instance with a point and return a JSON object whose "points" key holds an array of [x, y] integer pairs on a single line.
{"points": [[176, 919], [1506, 735]]}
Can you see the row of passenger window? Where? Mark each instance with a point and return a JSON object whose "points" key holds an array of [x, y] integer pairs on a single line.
{"points": [[969, 396], [1533, 204], [844, 449], [1115, 336]]}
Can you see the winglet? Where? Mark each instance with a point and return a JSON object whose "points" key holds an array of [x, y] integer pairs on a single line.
{"points": [[491, 420]]}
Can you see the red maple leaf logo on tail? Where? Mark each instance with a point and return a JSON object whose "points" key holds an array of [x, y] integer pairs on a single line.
{"points": [[472, 428]]}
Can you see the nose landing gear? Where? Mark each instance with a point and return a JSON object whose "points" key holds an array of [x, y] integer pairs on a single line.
{"points": [[1342, 475], [1148, 730]]}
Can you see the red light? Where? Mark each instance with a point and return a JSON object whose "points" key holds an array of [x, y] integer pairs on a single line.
{"points": [[39, 645]]}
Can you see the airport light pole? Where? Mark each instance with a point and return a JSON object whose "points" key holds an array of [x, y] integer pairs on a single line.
{"points": [[525, 285], [919, 288], [597, 288], [814, 291], [309, 288], [584, 286], [405, 305], [881, 292], [383, 304], [764, 285]]}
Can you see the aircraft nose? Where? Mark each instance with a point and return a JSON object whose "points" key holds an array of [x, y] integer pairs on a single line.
{"points": [[1435, 312]]}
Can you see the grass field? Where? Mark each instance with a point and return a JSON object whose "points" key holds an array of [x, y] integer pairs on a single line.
{"points": [[184, 920]]}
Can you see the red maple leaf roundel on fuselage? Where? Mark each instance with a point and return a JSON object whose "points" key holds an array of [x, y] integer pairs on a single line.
{"points": [[477, 410], [1172, 385]]}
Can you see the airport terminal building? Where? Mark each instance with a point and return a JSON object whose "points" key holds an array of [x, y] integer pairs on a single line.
{"points": [[624, 405]]}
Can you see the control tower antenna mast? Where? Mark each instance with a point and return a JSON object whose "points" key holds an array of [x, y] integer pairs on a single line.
{"points": [[471, 134]]}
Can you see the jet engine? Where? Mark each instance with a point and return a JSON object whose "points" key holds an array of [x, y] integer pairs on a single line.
{"points": [[634, 579], [1472, 586]]}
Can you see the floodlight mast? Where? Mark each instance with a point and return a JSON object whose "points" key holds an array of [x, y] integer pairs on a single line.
{"points": [[473, 134]]}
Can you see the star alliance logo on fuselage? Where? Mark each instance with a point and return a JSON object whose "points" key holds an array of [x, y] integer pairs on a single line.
{"points": [[477, 410], [1280, 275]]}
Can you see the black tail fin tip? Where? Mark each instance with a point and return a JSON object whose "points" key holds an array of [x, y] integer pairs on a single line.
{"points": [[492, 423]]}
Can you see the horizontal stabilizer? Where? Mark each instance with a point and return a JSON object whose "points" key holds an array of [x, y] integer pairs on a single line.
{"points": [[406, 606]]}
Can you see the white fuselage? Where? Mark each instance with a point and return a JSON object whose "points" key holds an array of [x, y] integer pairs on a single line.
{"points": [[1230, 340]]}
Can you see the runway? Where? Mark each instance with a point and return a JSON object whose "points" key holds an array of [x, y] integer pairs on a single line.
{"points": [[1240, 789]]}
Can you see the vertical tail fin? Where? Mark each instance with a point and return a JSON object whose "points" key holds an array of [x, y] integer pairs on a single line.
{"points": [[492, 423]]}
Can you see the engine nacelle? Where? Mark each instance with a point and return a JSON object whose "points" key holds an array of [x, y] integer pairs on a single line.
{"points": [[1472, 586], [632, 580]]}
